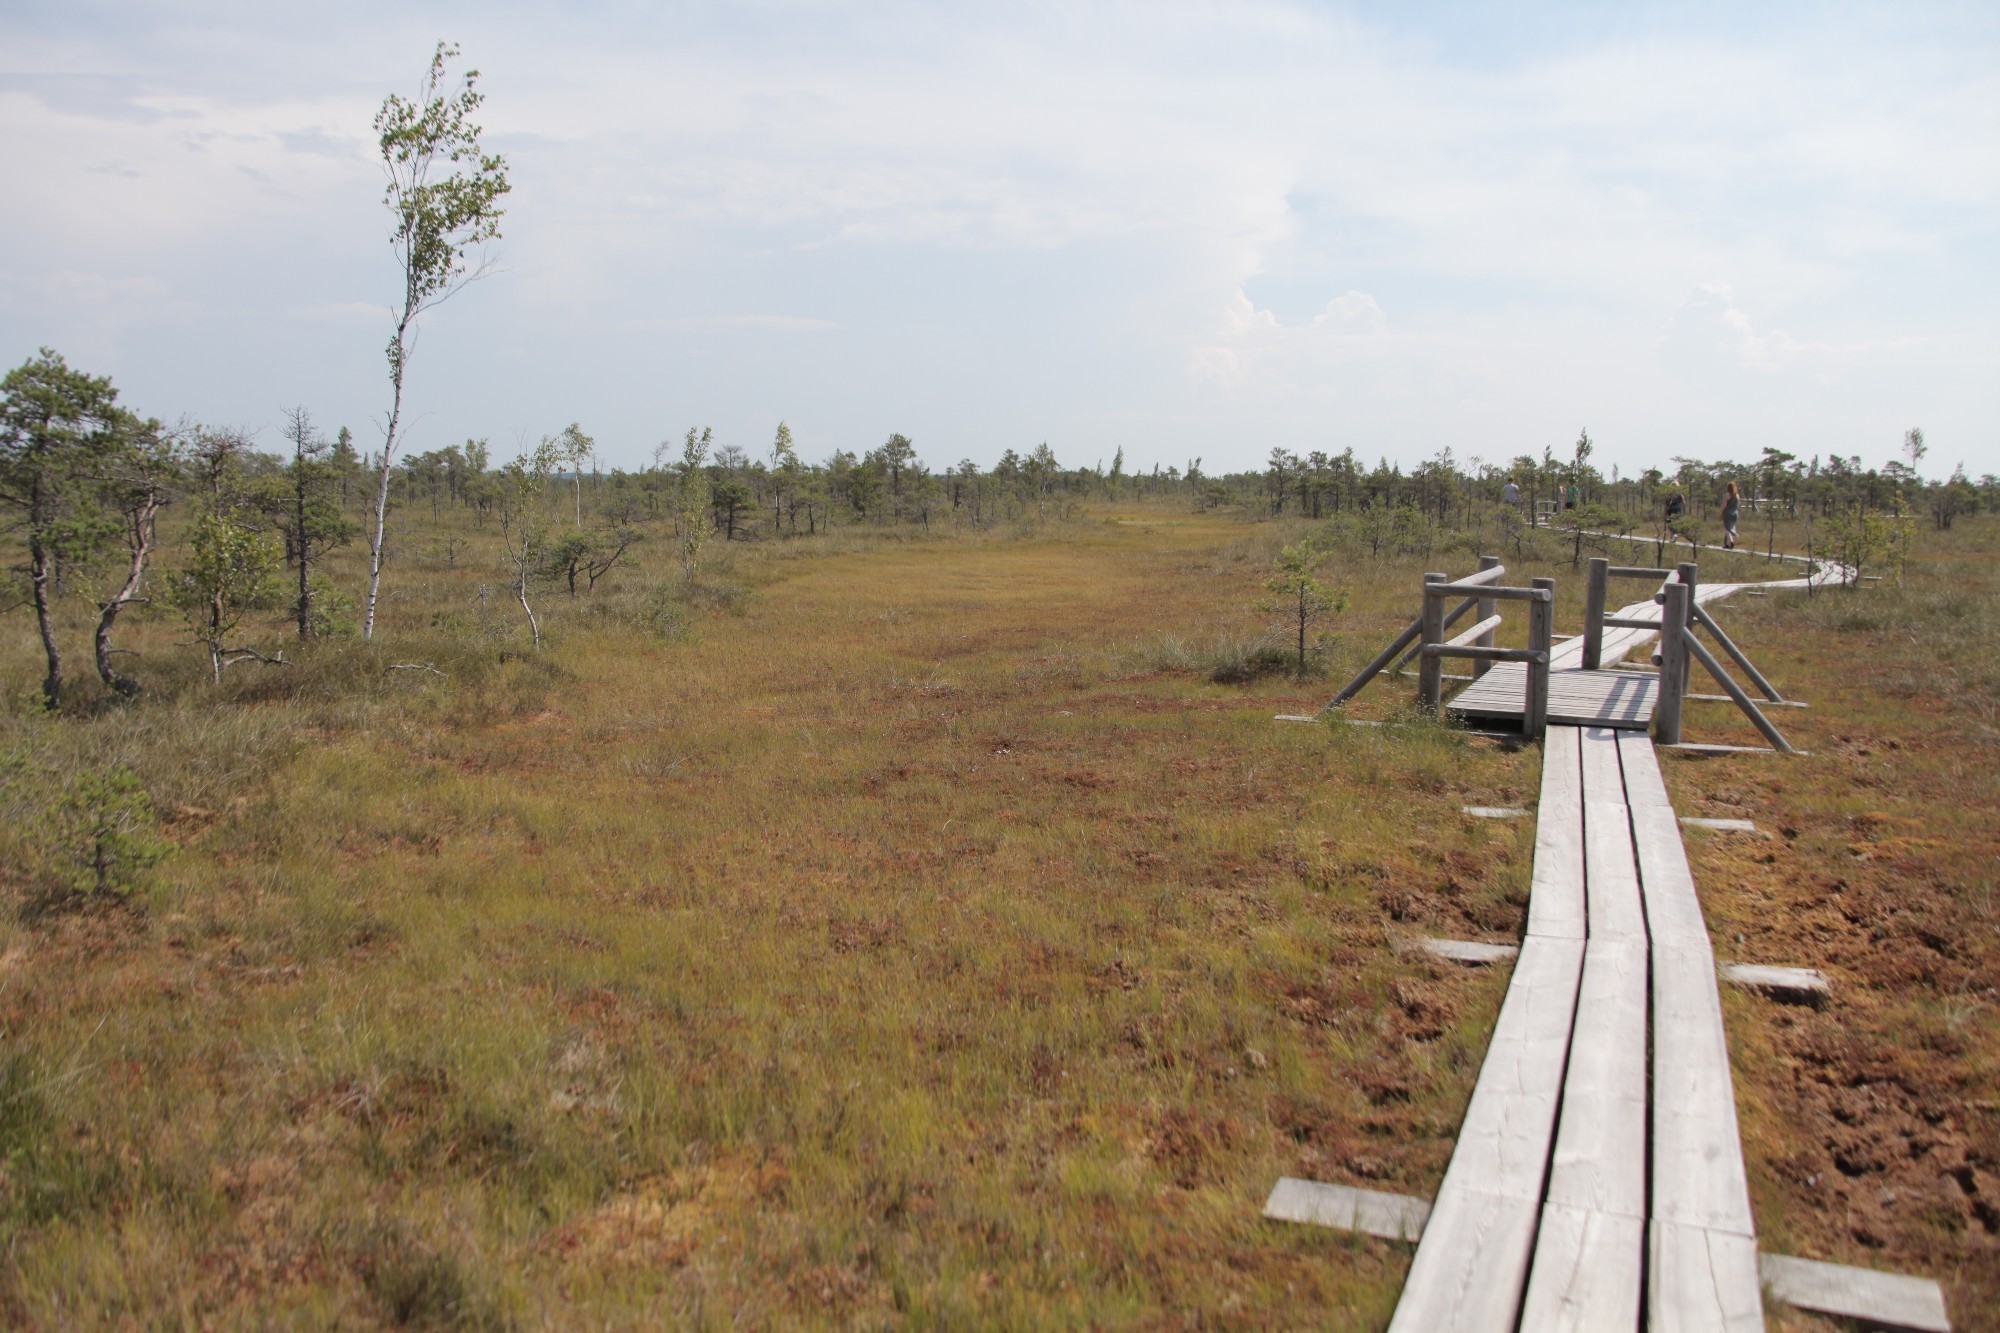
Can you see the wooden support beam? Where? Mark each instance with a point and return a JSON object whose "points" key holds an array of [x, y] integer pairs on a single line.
{"points": [[1371, 1212], [1382, 659], [1881, 1300], [1431, 650], [1483, 629], [1770, 691], [1593, 613], [1541, 626], [1470, 951], [1430, 689], [1719, 825], [1794, 985], [1465, 587], [1489, 608], [1673, 675], [1700, 653]]}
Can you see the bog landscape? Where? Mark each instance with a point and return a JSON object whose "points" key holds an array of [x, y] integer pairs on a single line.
{"points": [[739, 884]]}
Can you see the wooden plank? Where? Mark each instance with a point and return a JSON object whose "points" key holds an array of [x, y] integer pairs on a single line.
{"points": [[1611, 871], [1800, 985], [1697, 1159], [1494, 811], [1372, 1212], [1701, 1281], [1599, 1163], [1585, 1275], [1471, 1266], [1471, 951], [1666, 885], [1643, 783], [1505, 1140], [1602, 778], [1887, 1300], [1555, 899], [1719, 825], [1697, 747]]}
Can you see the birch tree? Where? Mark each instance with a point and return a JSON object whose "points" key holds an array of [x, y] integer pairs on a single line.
{"points": [[444, 192]]}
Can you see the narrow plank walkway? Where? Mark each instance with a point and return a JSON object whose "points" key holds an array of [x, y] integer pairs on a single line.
{"points": [[1591, 1178]]}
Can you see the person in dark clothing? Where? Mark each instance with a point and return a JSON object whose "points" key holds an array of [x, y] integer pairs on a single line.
{"points": [[1732, 506]]}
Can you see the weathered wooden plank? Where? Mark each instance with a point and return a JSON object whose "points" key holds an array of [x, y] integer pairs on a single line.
{"points": [[1701, 747], [1602, 778], [1697, 1158], [1802, 985], [1888, 1300], [1504, 1142], [1472, 1264], [1673, 913], [1701, 1281], [1719, 825], [1555, 900], [1494, 811], [1643, 783], [1471, 951], [1585, 1275], [1373, 1212], [1471, 1267], [1611, 872], [1599, 1163]]}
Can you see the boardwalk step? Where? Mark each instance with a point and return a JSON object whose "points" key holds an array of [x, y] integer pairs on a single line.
{"points": [[1494, 811]]}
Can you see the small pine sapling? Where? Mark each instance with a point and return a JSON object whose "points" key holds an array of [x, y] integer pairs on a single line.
{"points": [[1299, 594]]}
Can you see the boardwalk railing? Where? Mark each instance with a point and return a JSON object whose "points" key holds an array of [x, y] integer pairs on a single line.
{"points": [[1679, 649], [1595, 594], [1475, 644], [1490, 571]]}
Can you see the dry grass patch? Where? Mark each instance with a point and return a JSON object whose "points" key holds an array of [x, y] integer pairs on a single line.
{"points": [[883, 940]]}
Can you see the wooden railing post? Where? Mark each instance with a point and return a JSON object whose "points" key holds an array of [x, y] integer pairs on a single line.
{"points": [[1676, 598], [1488, 607], [1687, 572], [1430, 670], [1594, 594], [1541, 639]]}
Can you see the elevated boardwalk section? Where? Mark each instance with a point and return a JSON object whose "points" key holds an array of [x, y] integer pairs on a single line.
{"points": [[1577, 698]]}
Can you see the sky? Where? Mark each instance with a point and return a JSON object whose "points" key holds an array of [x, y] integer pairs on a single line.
{"points": [[1184, 230]]}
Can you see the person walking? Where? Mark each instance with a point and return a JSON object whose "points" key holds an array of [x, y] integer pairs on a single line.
{"points": [[1732, 506]]}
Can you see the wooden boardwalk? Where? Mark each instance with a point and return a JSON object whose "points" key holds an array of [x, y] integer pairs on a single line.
{"points": [[1589, 1178], [1577, 698]]}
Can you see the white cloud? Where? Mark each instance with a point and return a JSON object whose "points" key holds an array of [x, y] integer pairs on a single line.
{"points": [[1710, 328], [965, 191]]}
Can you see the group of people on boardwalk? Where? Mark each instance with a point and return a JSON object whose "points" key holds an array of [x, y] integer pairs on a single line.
{"points": [[1675, 507]]}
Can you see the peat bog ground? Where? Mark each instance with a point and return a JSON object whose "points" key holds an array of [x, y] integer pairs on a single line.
{"points": [[916, 932]]}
